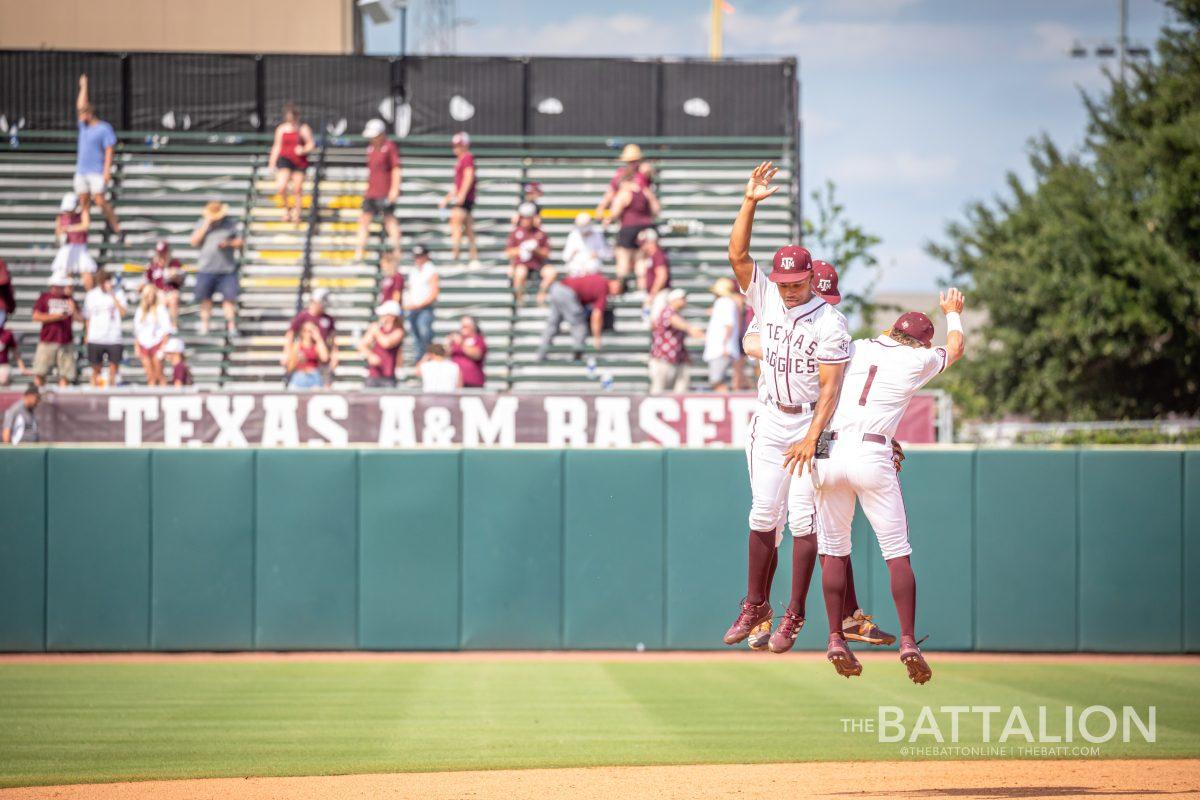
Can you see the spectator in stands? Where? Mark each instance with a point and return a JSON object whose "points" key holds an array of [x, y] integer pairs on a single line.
{"points": [[20, 423], [391, 282], [383, 188], [631, 164], [94, 158], [723, 334], [289, 155], [166, 273], [307, 358], [586, 250], [316, 314], [10, 353], [635, 208], [8, 300], [103, 308], [468, 350], [739, 352], [151, 329], [180, 374], [218, 238], [71, 233], [657, 275], [421, 294], [528, 249], [56, 310], [570, 299], [461, 199], [439, 375], [668, 350], [531, 192], [380, 345]]}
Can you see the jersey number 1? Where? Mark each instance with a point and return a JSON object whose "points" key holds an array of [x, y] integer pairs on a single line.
{"points": [[862, 399]]}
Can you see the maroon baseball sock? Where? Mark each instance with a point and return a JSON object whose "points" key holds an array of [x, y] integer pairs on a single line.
{"points": [[833, 584], [904, 593], [804, 558], [762, 547], [850, 605], [770, 573]]}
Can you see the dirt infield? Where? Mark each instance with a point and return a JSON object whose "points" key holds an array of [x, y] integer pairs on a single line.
{"points": [[621, 656], [958, 779]]}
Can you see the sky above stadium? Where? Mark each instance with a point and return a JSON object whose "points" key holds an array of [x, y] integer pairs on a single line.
{"points": [[914, 108]]}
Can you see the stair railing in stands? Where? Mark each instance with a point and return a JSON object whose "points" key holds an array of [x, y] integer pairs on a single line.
{"points": [[314, 219]]}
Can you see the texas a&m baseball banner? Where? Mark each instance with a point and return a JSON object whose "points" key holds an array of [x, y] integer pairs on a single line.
{"points": [[249, 419]]}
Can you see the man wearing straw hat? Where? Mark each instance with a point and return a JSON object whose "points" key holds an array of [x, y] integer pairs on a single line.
{"points": [[631, 166], [218, 239]]}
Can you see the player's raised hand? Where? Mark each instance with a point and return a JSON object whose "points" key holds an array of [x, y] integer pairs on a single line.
{"points": [[951, 300], [759, 186]]}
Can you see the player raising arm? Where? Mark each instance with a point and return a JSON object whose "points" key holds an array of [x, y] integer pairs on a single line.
{"points": [[884, 374]]}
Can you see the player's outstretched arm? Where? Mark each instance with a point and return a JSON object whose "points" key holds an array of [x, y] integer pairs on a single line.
{"points": [[952, 306], [758, 188]]}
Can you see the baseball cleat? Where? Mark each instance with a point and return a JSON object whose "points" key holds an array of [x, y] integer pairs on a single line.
{"points": [[749, 618], [783, 639], [910, 655], [842, 659], [862, 628], [760, 636]]}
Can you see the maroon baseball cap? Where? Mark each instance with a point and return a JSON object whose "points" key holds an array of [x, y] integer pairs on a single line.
{"points": [[916, 325], [825, 282], [791, 264]]}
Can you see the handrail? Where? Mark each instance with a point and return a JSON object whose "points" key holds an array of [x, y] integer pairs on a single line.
{"points": [[314, 219]]}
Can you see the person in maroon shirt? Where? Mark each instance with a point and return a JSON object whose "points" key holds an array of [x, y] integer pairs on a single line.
{"points": [[289, 156], [380, 346], [8, 300], [10, 351], [632, 163], [657, 276], [56, 310], [461, 199], [383, 188], [528, 249], [166, 273], [668, 349], [468, 349], [391, 281], [315, 313], [635, 208], [569, 300], [180, 374]]}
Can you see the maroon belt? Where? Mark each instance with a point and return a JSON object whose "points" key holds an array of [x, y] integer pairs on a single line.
{"points": [[803, 408], [877, 438]]}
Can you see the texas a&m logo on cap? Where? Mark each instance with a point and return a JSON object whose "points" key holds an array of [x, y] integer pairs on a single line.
{"points": [[825, 282], [916, 325], [791, 263]]}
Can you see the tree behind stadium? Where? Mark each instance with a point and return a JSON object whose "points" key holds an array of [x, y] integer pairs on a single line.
{"points": [[1091, 279]]}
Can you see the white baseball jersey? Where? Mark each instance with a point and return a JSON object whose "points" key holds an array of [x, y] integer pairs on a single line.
{"points": [[795, 341], [881, 379]]}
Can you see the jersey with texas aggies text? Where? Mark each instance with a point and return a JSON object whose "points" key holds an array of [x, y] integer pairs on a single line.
{"points": [[882, 377], [794, 341]]}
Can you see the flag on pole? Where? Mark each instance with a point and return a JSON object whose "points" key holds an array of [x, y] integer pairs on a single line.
{"points": [[726, 7]]}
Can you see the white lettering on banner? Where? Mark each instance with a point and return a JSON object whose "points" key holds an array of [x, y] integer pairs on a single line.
{"points": [[176, 430], [230, 413], [700, 410], [279, 421], [133, 410], [612, 422], [741, 411], [438, 428], [323, 409], [396, 428], [651, 416], [478, 428], [566, 421]]}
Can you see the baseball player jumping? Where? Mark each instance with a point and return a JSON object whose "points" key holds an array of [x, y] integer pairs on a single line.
{"points": [[883, 375], [806, 345], [856, 624]]}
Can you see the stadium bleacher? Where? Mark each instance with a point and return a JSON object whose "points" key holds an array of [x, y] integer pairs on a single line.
{"points": [[161, 181]]}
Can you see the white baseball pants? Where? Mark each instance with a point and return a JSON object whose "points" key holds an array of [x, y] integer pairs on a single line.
{"points": [[771, 433], [862, 470]]}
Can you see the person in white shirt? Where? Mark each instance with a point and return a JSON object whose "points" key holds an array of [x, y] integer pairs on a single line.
{"points": [[439, 375], [721, 338], [103, 308], [586, 249], [151, 329], [883, 375], [421, 291]]}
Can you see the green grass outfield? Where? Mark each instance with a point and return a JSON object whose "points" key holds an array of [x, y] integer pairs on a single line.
{"points": [[91, 722]]}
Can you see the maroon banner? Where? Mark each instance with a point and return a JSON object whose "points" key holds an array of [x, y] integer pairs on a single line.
{"points": [[299, 419]]}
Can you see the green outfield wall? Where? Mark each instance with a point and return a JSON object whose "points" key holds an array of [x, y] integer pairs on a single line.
{"points": [[159, 549]]}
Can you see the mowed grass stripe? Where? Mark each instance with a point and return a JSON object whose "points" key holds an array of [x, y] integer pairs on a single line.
{"points": [[69, 723]]}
